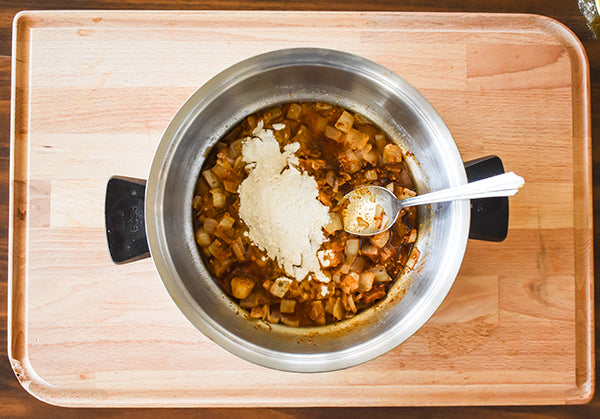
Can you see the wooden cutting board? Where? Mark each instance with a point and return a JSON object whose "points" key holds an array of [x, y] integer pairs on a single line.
{"points": [[92, 93]]}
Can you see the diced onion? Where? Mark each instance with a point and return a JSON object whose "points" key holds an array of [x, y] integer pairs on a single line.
{"points": [[288, 320], [241, 287], [212, 179], [294, 111], [197, 202], [203, 238], [281, 286], [365, 282], [369, 250], [338, 309], [350, 282], [332, 133], [371, 174], [274, 315], [317, 312], [351, 304], [219, 198], [221, 171], [381, 239], [412, 237], [257, 312], [381, 274], [356, 139], [344, 122], [210, 224], [226, 222], [238, 249], [392, 154], [334, 224], [406, 193], [287, 306], [412, 260], [352, 247]]}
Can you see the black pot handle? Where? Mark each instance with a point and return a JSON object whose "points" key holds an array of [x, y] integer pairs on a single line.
{"points": [[489, 216], [124, 218]]}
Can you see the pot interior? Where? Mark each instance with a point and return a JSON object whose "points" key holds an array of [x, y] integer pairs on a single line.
{"points": [[306, 75]]}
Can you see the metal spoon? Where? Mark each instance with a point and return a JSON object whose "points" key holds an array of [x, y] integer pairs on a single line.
{"points": [[374, 209]]}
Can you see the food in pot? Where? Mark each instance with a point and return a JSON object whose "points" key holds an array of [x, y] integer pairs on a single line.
{"points": [[268, 222]]}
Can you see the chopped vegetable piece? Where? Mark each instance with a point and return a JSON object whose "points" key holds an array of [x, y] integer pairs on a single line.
{"points": [[238, 249], [369, 250], [374, 294], [219, 198], [222, 266], [334, 224], [287, 306], [197, 202], [272, 113], [381, 274], [317, 312], [358, 264], [371, 157], [392, 154], [290, 320], [274, 315], [302, 135], [381, 239], [218, 250], [221, 171], [356, 140], [226, 222], [365, 282], [294, 111], [329, 258], [412, 260], [203, 238], [257, 312], [241, 287], [350, 303], [210, 224], [332, 133], [319, 124], [254, 299], [349, 161], [345, 267], [350, 282], [281, 286], [406, 193], [344, 122], [230, 186], [352, 247], [212, 179], [412, 237], [371, 174], [338, 309]]}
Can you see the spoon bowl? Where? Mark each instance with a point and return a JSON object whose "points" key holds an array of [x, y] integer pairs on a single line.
{"points": [[369, 210]]}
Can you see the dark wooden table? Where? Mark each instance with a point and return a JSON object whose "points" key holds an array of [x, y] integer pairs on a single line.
{"points": [[16, 402]]}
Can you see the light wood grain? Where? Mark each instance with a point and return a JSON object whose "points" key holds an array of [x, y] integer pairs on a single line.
{"points": [[93, 92]]}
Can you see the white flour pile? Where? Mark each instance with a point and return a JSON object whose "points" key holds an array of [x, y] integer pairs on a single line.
{"points": [[279, 205]]}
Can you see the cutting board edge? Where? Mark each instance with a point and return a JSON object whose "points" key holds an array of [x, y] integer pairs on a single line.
{"points": [[581, 393]]}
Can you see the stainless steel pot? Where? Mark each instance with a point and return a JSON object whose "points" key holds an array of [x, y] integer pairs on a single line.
{"points": [[305, 74]]}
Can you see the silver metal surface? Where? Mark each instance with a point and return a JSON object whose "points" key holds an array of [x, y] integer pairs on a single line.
{"points": [[306, 74], [362, 201]]}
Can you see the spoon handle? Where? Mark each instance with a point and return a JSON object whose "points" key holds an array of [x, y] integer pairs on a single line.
{"points": [[506, 184]]}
